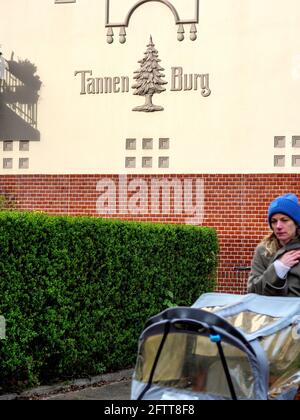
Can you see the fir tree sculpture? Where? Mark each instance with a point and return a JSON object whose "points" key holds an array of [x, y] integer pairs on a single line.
{"points": [[149, 79]]}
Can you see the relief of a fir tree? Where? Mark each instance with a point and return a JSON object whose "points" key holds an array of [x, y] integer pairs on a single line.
{"points": [[149, 79]]}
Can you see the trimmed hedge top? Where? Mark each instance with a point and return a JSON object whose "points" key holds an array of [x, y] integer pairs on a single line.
{"points": [[76, 291]]}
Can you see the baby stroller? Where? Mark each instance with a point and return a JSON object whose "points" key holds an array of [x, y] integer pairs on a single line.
{"points": [[223, 347]]}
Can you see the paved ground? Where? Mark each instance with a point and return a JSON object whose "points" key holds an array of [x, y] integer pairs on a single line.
{"points": [[113, 391], [113, 386]]}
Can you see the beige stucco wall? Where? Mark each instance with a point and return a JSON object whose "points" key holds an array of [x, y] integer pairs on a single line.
{"points": [[249, 48]]}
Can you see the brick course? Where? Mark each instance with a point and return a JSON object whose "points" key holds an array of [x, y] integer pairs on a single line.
{"points": [[236, 205]]}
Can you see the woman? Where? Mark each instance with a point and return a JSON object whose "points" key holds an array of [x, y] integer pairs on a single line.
{"points": [[275, 269]]}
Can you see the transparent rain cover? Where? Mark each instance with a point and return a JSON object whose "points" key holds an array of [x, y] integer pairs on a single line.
{"points": [[191, 363]]}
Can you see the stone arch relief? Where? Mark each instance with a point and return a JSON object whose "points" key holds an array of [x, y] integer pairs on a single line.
{"points": [[134, 4]]}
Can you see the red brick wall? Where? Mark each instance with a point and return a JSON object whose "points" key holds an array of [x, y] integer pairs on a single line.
{"points": [[236, 205]]}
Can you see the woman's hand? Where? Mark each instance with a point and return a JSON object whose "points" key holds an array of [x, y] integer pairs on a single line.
{"points": [[291, 258]]}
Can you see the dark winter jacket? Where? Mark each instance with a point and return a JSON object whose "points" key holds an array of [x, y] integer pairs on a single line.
{"points": [[263, 279]]}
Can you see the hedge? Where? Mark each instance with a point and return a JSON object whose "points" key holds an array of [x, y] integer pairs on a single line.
{"points": [[76, 291]]}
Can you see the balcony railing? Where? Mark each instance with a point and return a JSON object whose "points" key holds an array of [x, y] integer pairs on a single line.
{"points": [[11, 90]]}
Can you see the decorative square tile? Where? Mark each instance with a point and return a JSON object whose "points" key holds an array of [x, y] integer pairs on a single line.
{"points": [[164, 144], [147, 162], [296, 141], [130, 144], [296, 161], [7, 163], [279, 141], [130, 162], [8, 146], [23, 163], [163, 162], [147, 144], [24, 146], [279, 161]]}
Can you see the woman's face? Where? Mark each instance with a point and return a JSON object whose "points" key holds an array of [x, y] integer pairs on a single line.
{"points": [[284, 228]]}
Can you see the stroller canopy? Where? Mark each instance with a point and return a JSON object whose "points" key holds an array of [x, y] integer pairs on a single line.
{"points": [[223, 347]]}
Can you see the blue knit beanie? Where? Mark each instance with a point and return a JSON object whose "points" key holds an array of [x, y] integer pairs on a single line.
{"points": [[286, 204]]}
